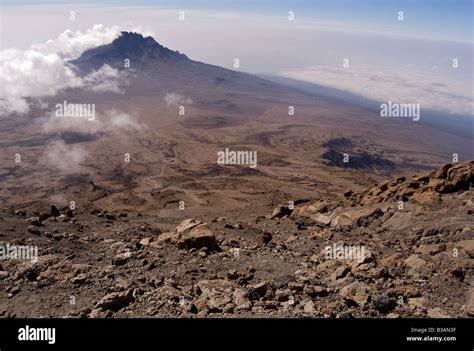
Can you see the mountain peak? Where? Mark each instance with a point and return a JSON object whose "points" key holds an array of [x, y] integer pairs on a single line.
{"points": [[136, 44], [133, 38], [140, 50]]}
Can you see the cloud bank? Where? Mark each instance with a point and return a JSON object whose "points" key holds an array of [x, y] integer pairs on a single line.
{"points": [[424, 87]]}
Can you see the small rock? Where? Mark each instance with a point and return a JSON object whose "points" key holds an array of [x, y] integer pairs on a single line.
{"points": [[35, 221], [417, 302], [260, 288], [437, 313], [282, 281], [265, 237], [430, 232], [229, 308], [188, 306], [144, 242], [44, 216], [54, 211], [430, 249], [294, 286], [120, 260], [240, 296], [340, 272], [21, 213], [15, 290], [233, 226], [385, 303], [458, 272], [34, 230], [356, 292], [281, 211], [321, 219], [232, 274], [315, 291], [79, 279], [99, 313], [309, 307]]}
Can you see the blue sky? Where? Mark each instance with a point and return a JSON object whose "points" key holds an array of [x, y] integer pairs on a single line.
{"points": [[438, 19]]}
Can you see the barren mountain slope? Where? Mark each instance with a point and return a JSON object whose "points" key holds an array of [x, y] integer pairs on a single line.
{"points": [[417, 258], [173, 156]]}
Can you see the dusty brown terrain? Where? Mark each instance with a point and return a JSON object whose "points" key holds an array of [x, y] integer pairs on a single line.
{"points": [[418, 260], [158, 236]]}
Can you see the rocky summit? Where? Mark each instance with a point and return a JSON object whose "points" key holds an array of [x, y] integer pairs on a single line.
{"points": [[403, 248], [130, 46]]}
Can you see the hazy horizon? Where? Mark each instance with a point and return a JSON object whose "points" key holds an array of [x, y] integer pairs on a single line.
{"points": [[385, 59]]}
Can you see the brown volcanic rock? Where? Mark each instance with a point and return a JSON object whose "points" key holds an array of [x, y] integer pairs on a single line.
{"points": [[187, 224], [197, 238], [115, 301], [453, 178], [281, 211], [426, 187], [448, 179]]}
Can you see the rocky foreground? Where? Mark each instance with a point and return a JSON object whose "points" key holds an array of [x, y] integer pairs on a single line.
{"points": [[413, 242]]}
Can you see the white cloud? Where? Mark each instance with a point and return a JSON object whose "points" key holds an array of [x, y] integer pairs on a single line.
{"points": [[66, 158], [109, 121], [176, 99], [43, 71], [425, 87], [104, 79], [13, 104], [121, 120], [31, 74], [53, 125], [71, 44]]}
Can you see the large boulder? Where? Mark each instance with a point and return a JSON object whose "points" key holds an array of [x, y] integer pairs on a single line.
{"points": [[198, 237], [187, 224], [115, 301], [453, 177], [359, 217]]}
